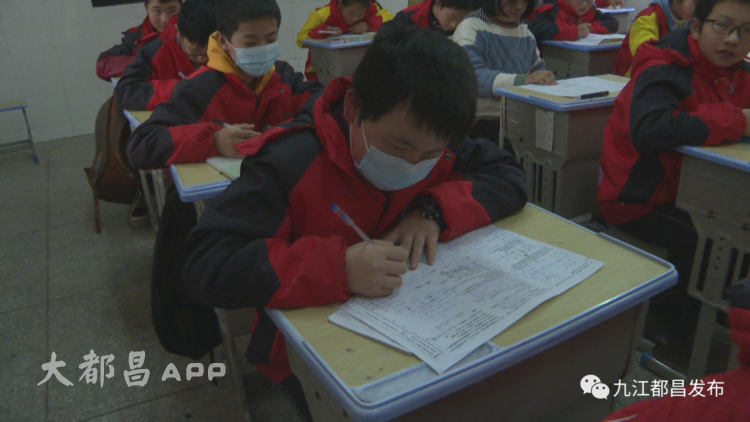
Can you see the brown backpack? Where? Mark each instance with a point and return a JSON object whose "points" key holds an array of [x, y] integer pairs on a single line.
{"points": [[111, 176]]}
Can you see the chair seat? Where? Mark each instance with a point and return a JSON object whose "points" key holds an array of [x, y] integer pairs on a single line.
{"points": [[14, 105]]}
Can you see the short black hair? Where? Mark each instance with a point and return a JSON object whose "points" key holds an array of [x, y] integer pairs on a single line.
{"points": [[422, 70], [703, 8], [459, 4], [230, 14], [495, 7], [147, 2], [197, 20]]}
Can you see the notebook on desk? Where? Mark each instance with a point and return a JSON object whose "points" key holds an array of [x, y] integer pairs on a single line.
{"points": [[599, 39], [229, 167]]}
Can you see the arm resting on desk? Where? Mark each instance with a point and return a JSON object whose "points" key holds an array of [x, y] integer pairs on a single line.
{"points": [[138, 89], [604, 23], [658, 124], [316, 22], [487, 185], [543, 24], [239, 254]]}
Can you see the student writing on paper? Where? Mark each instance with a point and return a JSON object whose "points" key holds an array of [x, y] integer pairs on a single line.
{"points": [[652, 24], [503, 52], [690, 88], [569, 20], [242, 84], [168, 58], [112, 62], [437, 15], [341, 17], [391, 151]]}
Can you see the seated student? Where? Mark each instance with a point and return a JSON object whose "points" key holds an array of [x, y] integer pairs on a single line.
{"points": [[438, 15], [341, 17], [112, 62], [503, 52], [652, 24], [729, 405], [242, 85], [569, 20], [172, 56], [392, 152], [690, 88]]}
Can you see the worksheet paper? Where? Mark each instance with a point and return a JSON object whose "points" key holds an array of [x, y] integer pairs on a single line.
{"points": [[481, 283], [229, 167], [596, 39], [575, 87], [344, 320]]}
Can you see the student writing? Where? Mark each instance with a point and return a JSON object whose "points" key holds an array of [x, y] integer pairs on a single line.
{"points": [[112, 62], [569, 20], [391, 151], [242, 84], [341, 17], [168, 58], [437, 15]]}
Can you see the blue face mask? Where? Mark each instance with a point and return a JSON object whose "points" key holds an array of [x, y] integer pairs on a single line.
{"points": [[256, 61], [387, 172]]}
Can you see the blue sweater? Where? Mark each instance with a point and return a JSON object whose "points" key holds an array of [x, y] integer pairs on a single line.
{"points": [[501, 56]]}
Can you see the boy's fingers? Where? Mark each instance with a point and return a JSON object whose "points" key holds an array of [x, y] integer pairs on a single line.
{"points": [[396, 253], [431, 249], [391, 282], [394, 268], [416, 251]]}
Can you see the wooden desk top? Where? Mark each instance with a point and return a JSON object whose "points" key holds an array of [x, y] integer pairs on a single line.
{"points": [[561, 100], [736, 150], [141, 116], [193, 174], [358, 360]]}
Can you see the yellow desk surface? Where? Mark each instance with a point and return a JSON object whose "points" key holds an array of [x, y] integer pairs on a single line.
{"points": [[737, 150], [141, 116], [357, 360], [193, 174], [558, 99]]}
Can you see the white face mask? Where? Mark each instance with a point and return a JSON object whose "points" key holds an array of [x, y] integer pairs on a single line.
{"points": [[256, 61], [387, 172]]}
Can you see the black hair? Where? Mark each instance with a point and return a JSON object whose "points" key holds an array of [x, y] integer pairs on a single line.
{"points": [[147, 2], [423, 70], [460, 4], [230, 14], [197, 20], [365, 3], [495, 7], [703, 8]]}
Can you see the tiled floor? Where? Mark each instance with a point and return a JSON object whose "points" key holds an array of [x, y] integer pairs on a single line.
{"points": [[67, 290]]}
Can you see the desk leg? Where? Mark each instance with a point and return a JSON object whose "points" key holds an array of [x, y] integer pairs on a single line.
{"points": [[148, 195]]}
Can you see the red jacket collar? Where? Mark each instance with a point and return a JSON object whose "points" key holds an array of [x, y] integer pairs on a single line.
{"points": [[421, 15], [586, 17], [673, 49], [169, 34], [146, 28]]}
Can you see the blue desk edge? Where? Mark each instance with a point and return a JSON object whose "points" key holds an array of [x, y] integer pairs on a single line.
{"points": [[565, 107], [585, 48], [328, 45], [717, 158], [197, 192]]}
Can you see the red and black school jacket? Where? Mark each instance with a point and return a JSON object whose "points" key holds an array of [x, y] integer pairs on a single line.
{"points": [[675, 97], [159, 64], [112, 62], [419, 15], [270, 239], [625, 54], [180, 129], [557, 21]]}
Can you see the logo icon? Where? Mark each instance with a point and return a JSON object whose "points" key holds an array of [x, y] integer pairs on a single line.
{"points": [[591, 384]]}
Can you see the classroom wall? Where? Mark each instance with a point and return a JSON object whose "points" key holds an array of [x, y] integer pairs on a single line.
{"points": [[48, 51]]}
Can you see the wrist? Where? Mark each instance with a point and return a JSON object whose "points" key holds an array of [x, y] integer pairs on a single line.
{"points": [[429, 209]]}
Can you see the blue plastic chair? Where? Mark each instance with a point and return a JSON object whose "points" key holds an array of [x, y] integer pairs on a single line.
{"points": [[19, 105]]}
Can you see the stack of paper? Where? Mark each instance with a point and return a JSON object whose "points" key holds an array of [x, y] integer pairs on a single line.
{"points": [[229, 167], [481, 283], [596, 39], [575, 87]]}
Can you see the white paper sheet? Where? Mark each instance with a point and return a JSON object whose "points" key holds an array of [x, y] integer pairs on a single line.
{"points": [[344, 320], [575, 87], [229, 167], [596, 39], [481, 283]]}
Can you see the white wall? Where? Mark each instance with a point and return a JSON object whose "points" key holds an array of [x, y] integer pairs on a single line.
{"points": [[48, 51]]}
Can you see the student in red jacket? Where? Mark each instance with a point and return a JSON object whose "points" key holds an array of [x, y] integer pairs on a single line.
{"points": [[732, 405], [690, 88], [242, 85], [569, 20], [168, 58], [112, 62], [341, 17], [437, 15], [391, 151]]}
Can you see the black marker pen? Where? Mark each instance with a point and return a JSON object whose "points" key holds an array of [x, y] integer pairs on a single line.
{"points": [[594, 95]]}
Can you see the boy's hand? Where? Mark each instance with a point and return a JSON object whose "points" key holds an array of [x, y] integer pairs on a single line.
{"points": [[375, 269], [583, 30], [359, 28], [225, 139], [416, 234], [746, 112], [335, 29], [541, 77]]}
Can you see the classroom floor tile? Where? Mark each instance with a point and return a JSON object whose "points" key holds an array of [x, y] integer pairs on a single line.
{"points": [[20, 364], [23, 271], [23, 209]]}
